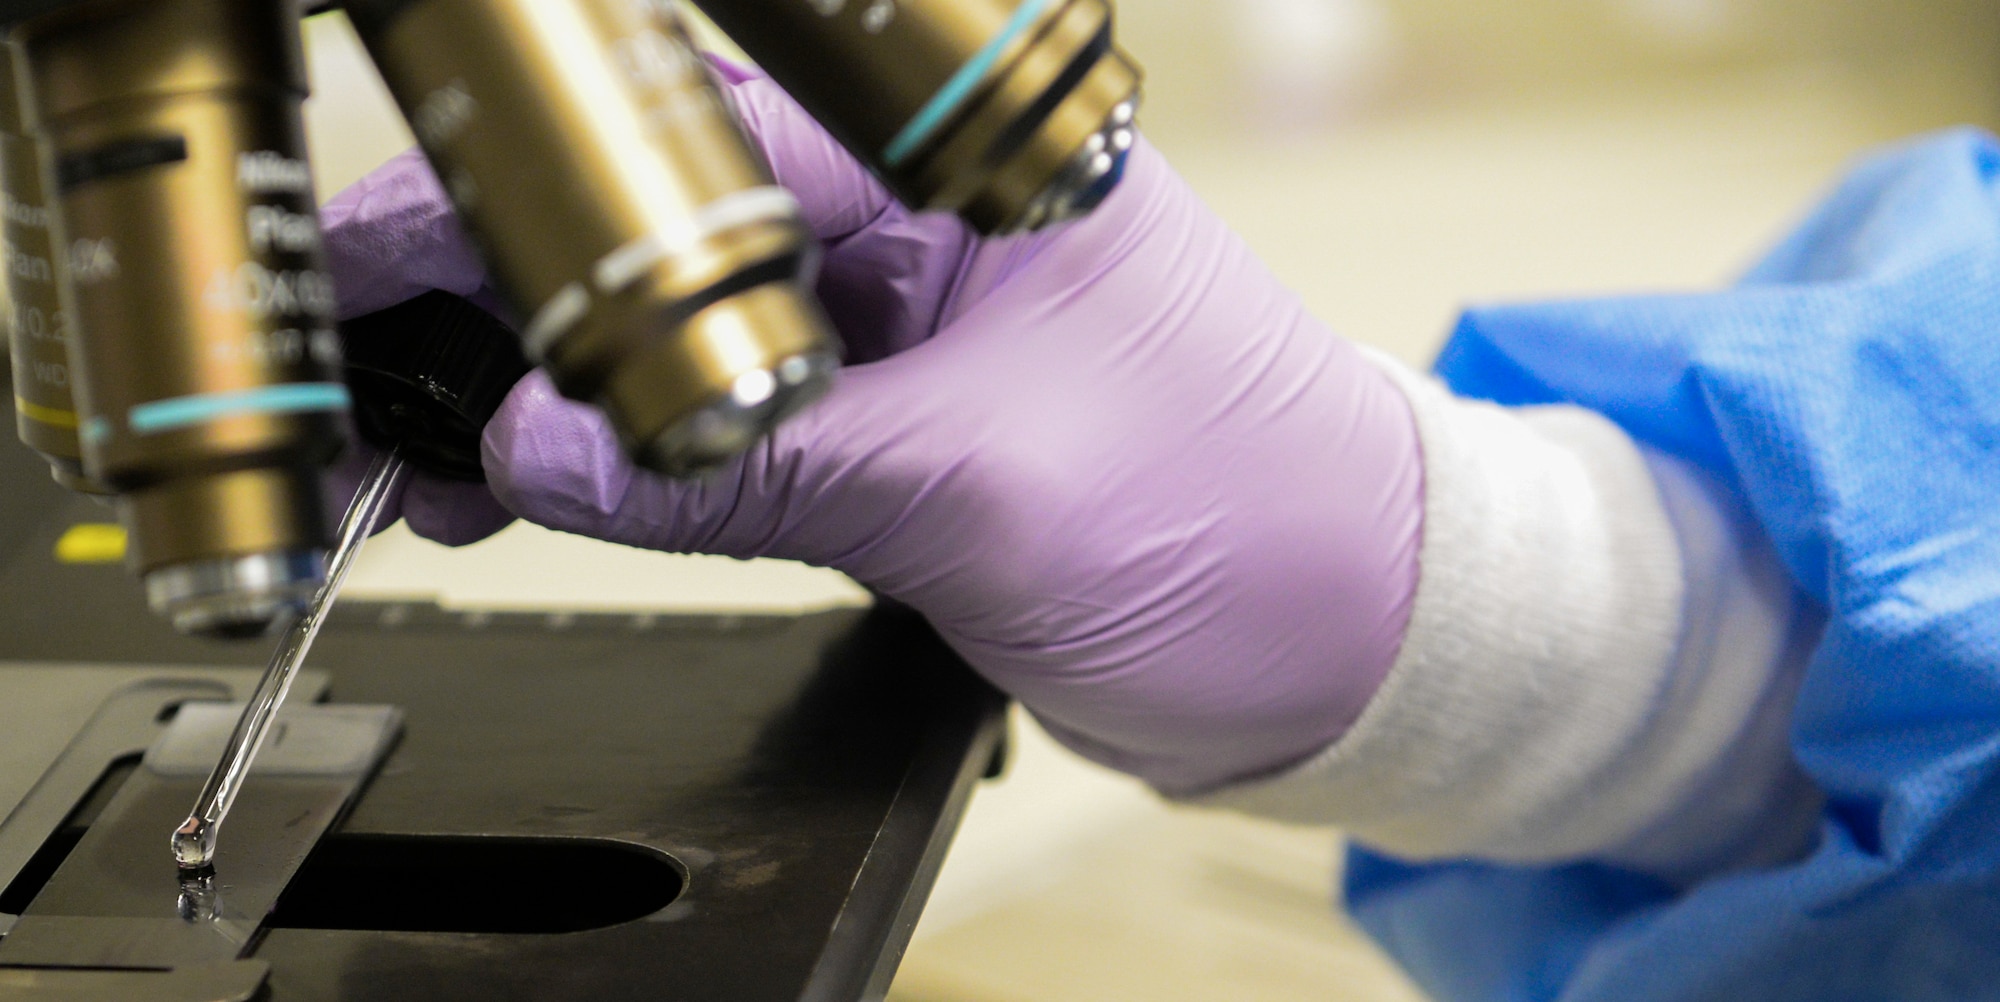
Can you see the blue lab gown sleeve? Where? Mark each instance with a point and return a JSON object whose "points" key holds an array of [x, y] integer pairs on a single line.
{"points": [[1850, 388]]}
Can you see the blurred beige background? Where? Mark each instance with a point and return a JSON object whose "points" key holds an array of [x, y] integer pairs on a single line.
{"points": [[1393, 160]]}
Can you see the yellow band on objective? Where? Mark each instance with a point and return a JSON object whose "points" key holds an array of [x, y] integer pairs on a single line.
{"points": [[91, 543], [46, 415]]}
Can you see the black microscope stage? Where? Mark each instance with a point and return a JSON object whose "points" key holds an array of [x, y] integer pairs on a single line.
{"points": [[577, 807]]}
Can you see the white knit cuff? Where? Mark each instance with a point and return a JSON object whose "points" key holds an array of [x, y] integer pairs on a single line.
{"points": [[1578, 680]]}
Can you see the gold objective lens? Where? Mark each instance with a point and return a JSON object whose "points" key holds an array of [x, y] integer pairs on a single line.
{"points": [[206, 363], [44, 409], [1013, 113], [662, 274]]}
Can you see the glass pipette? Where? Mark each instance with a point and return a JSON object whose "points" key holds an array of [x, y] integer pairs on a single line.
{"points": [[194, 840]]}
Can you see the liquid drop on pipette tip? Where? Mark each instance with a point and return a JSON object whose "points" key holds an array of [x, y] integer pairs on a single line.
{"points": [[194, 848]]}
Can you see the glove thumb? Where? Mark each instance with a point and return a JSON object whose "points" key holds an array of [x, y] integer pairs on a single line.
{"points": [[828, 487]]}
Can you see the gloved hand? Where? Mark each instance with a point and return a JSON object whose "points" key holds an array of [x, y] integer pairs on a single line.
{"points": [[1116, 464], [391, 237]]}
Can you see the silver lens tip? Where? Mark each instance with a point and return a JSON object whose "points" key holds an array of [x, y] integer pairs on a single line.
{"points": [[756, 403], [1091, 174], [236, 597]]}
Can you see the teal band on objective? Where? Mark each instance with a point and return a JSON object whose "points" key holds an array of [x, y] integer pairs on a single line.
{"points": [[954, 91], [290, 398]]}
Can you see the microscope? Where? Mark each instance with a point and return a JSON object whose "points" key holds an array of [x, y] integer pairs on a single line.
{"points": [[582, 805], [174, 340]]}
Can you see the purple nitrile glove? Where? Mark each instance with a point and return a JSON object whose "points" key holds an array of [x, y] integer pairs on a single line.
{"points": [[392, 236], [1116, 464]]}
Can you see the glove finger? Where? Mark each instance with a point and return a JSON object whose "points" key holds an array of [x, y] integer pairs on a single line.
{"points": [[890, 276], [837, 196], [393, 235], [452, 512], [557, 462], [343, 480], [826, 487]]}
